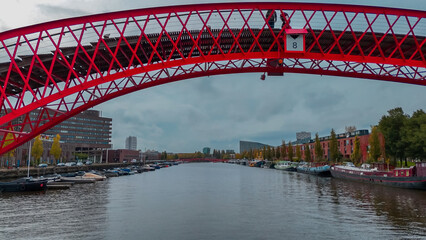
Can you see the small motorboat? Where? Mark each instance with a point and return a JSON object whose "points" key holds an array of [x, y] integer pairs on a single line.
{"points": [[97, 177], [77, 180]]}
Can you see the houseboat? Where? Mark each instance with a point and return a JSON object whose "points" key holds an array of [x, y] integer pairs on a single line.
{"points": [[413, 177], [319, 169], [286, 166]]}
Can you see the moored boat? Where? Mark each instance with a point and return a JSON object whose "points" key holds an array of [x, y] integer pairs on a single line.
{"points": [[315, 169], [24, 185], [78, 180], [286, 166], [97, 177], [413, 177]]}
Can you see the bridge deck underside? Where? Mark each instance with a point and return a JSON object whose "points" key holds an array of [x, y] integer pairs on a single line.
{"points": [[317, 41]]}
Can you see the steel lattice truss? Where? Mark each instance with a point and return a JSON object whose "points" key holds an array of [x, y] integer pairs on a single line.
{"points": [[52, 71]]}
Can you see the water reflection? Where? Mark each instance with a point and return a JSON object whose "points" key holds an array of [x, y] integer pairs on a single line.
{"points": [[403, 208], [76, 213], [216, 201]]}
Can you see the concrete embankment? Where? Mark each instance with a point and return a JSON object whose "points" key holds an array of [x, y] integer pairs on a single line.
{"points": [[36, 172]]}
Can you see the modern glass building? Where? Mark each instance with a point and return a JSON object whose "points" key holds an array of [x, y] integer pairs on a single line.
{"points": [[247, 146], [86, 130]]}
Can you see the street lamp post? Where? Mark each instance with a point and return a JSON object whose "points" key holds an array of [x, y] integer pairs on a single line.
{"points": [[29, 159]]}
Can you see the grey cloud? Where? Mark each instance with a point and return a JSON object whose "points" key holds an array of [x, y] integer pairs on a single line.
{"points": [[55, 11], [3, 26]]}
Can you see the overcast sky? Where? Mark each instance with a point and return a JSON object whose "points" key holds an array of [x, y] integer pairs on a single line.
{"points": [[219, 111]]}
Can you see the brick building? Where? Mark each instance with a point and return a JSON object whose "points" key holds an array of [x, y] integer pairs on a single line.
{"points": [[345, 143], [121, 155]]}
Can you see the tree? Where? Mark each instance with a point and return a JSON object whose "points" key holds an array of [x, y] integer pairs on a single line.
{"points": [[374, 142], [307, 153], [318, 149], [278, 152], [268, 154], [356, 154], [334, 149], [283, 150], [56, 150], [164, 155], [390, 126], [414, 135], [37, 149], [290, 152], [298, 153], [10, 138]]}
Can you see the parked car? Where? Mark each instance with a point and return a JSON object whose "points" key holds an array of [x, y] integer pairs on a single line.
{"points": [[42, 165], [88, 162], [61, 164], [79, 164], [133, 161], [70, 164]]}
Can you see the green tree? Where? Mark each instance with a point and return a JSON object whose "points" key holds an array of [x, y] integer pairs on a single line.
{"points": [[356, 154], [390, 126], [81, 156], [37, 150], [307, 153], [290, 152], [414, 135], [56, 150], [278, 152], [373, 140], [298, 153], [318, 149], [283, 150], [334, 149]]}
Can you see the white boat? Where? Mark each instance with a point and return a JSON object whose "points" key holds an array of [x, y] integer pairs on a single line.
{"points": [[94, 176], [286, 165], [147, 168], [77, 179]]}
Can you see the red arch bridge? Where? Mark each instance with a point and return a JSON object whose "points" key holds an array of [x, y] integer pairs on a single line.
{"points": [[51, 71]]}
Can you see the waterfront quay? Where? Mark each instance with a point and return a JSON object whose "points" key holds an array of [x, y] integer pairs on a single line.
{"points": [[38, 172]]}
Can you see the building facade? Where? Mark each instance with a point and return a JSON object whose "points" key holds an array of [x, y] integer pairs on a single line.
{"points": [[86, 134], [246, 146], [121, 155], [131, 143], [303, 135], [345, 143]]}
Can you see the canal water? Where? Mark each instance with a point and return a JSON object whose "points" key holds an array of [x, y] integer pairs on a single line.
{"points": [[216, 201]]}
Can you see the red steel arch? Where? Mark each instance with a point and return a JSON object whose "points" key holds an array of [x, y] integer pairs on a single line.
{"points": [[52, 71]]}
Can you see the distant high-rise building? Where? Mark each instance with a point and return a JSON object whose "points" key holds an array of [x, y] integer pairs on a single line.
{"points": [[303, 135], [131, 143]]}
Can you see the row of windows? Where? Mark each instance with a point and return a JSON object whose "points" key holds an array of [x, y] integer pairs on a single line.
{"points": [[79, 124], [66, 137], [101, 128], [89, 120], [84, 133], [91, 142]]}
